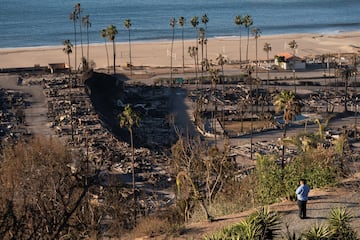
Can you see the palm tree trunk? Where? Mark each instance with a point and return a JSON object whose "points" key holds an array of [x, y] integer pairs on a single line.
{"points": [[171, 57], [88, 44], [346, 95], [247, 45], [133, 171], [268, 79], [240, 48], [183, 53], [130, 53], [114, 52], [69, 66], [283, 147], [75, 45], [107, 56], [251, 122]]}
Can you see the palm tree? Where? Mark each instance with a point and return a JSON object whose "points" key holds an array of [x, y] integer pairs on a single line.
{"points": [[293, 45], [194, 23], [78, 11], [172, 24], [74, 17], [248, 22], [267, 49], [201, 42], [86, 22], [249, 69], [111, 32], [287, 102], [205, 20], [256, 32], [104, 35], [127, 25], [181, 22], [193, 52], [215, 78], [128, 119], [68, 50], [345, 73], [221, 61], [239, 21]]}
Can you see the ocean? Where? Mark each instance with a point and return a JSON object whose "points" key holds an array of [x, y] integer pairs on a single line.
{"points": [[30, 23]]}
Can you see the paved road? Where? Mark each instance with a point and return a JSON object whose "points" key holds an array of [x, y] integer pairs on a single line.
{"points": [[36, 114]]}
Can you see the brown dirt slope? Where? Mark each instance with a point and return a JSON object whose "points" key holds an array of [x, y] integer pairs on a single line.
{"points": [[321, 201]]}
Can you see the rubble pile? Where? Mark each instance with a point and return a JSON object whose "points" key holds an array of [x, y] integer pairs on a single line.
{"points": [[12, 116], [74, 118]]}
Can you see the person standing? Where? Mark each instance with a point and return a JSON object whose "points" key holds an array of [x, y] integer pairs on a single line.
{"points": [[302, 193]]}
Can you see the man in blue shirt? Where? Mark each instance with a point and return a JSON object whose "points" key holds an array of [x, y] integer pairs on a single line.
{"points": [[302, 193]]}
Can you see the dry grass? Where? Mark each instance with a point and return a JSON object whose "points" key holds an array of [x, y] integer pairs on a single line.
{"points": [[153, 226], [234, 127]]}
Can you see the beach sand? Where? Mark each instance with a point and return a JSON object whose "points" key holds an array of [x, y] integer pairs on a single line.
{"points": [[157, 53]]}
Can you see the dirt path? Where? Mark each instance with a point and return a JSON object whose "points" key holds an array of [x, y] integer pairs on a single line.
{"points": [[36, 120]]}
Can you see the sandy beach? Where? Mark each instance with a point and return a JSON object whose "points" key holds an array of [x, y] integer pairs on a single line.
{"points": [[157, 53]]}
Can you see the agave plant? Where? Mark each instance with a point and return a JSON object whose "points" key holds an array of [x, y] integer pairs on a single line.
{"points": [[339, 220], [269, 222], [319, 232], [263, 224]]}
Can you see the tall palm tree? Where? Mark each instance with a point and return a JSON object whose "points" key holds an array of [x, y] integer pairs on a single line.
{"points": [[239, 22], [205, 20], [129, 119], [68, 50], [78, 10], [221, 61], [193, 52], [74, 17], [127, 25], [111, 33], [172, 24], [194, 21], [181, 22], [104, 35], [267, 48], [248, 22], [345, 73], [215, 78], [293, 45], [86, 22], [249, 70], [201, 42], [287, 102], [256, 33]]}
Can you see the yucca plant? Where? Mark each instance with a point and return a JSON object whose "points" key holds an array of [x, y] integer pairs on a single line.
{"points": [[248, 229], [339, 220], [319, 232], [268, 221]]}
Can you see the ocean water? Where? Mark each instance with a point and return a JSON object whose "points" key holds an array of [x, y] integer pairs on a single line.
{"points": [[28, 23]]}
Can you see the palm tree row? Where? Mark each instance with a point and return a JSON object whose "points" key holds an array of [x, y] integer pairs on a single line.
{"points": [[110, 32], [79, 21]]}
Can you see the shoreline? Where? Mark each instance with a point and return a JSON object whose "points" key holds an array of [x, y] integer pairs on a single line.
{"points": [[156, 53]]}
